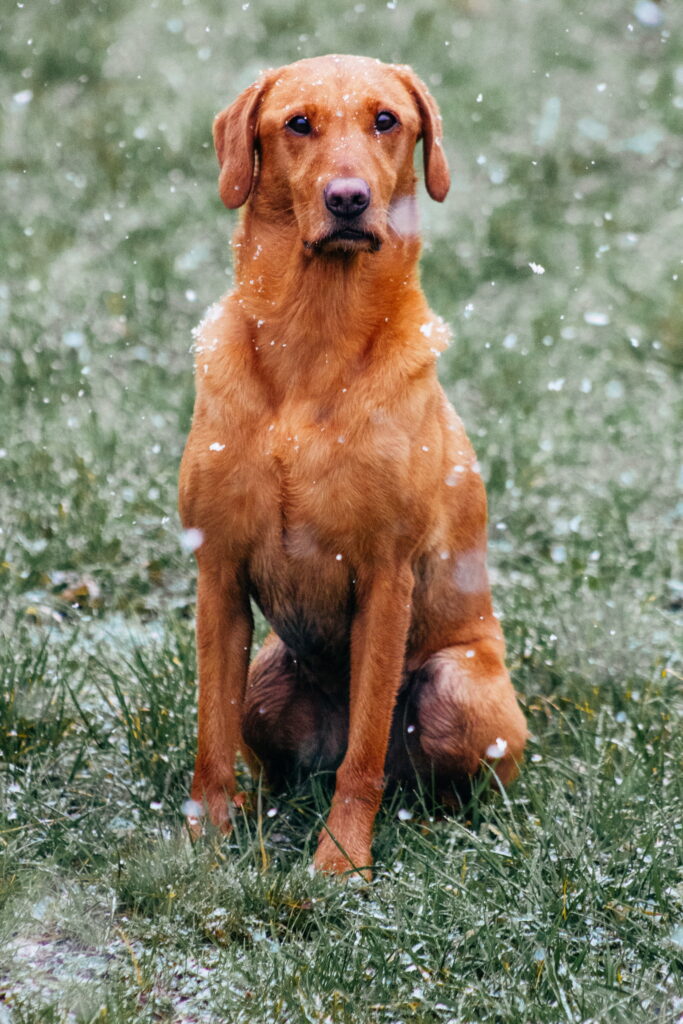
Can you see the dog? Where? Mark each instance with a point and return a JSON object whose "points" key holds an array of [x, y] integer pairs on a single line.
{"points": [[328, 477]]}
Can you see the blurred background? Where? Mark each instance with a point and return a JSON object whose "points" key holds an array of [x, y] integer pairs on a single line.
{"points": [[557, 259]]}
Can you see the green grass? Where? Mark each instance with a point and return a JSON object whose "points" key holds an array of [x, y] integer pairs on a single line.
{"points": [[563, 902]]}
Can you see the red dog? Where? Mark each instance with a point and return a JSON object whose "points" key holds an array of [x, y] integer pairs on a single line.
{"points": [[329, 477]]}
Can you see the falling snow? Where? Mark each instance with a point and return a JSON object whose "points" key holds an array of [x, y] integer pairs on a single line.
{"points": [[497, 749]]}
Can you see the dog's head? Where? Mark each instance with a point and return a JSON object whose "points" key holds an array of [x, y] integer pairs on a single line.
{"points": [[329, 142]]}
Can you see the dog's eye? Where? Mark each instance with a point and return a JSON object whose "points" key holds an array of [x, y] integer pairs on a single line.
{"points": [[300, 125], [385, 121]]}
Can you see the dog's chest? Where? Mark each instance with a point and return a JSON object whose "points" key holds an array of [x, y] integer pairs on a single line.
{"points": [[334, 479], [301, 564], [337, 499]]}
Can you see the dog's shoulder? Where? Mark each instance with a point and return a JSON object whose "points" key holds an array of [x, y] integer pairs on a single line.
{"points": [[226, 386]]}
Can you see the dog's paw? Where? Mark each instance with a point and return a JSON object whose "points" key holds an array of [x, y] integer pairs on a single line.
{"points": [[337, 859], [217, 808]]}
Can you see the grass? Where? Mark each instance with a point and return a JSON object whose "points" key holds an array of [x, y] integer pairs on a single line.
{"points": [[563, 902]]}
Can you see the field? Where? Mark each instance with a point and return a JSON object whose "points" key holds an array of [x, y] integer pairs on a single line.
{"points": [[557, 259]]}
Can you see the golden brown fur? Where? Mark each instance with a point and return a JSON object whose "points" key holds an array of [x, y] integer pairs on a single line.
{"points": [[330, 478]]}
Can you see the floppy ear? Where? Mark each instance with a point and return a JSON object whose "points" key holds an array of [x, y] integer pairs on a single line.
{"points": [[234, 136], [437, 175]]}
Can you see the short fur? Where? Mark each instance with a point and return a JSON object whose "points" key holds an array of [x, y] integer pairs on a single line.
{"points": [[330, 478]]}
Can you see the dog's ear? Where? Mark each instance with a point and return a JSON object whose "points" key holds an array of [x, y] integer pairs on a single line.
{"points": [[234, 136], [437, 175]]}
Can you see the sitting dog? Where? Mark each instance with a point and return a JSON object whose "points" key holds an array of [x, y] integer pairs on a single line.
{"points": [[331, 480]]}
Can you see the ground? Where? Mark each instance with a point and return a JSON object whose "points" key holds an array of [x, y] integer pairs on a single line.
{"points": [[557, 260]]}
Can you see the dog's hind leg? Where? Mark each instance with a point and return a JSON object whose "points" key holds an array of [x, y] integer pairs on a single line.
{"points": [[288, 722], [457, 712]]}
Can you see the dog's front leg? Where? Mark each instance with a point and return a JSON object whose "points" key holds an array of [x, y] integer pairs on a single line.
{"points": [[224, 631], [378, 643]]}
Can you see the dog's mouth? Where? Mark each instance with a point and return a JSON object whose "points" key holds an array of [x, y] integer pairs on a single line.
{"points": [[346, 239]]}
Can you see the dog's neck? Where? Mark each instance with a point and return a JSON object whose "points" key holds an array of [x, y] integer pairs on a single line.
{"points": [[314, 317]]}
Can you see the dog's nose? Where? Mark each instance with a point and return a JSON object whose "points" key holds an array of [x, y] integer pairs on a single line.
{"points": [[347, 197]]}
